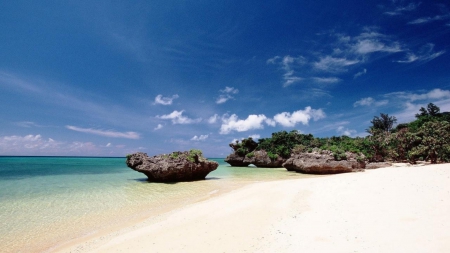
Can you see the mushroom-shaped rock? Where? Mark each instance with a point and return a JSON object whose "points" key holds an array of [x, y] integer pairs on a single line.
{"points": [[174, 167], [261, 159], [322, 163], [236, 160]]}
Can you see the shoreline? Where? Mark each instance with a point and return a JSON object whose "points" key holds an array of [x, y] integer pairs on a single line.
{"points": [[384, 210]]}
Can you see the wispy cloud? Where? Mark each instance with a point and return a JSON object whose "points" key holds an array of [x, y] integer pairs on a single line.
{"points": [[177, 117], [107, 133], [165, 100], [287, 64], [363, 72], [199, 138], [435, 94], [27, 124], [345, 53], [226, 94], [333, 64], [326, 80], [369, 101], [159, 126], [67, 97], [426, 53], [399, 10], [425, 20]]}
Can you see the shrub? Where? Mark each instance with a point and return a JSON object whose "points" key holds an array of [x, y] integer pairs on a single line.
{"points": [[250, 155]]}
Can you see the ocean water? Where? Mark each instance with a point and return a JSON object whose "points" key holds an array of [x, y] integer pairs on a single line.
{"points": [[48, 201]]}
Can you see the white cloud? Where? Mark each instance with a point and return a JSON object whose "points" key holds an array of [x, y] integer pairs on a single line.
{"points": [[226, 94], [232, 123], [108, 145], [270, 122], [230, 90], [369, 102], [332, 64], [426, 53], [373, 45], [25, 144], [165, 100], [287, 119], [159, 126], [213, 119], [345, 131], [177, 118], [222, 99], [199, 138], [363, 72], [107, 133], [255, 136]]}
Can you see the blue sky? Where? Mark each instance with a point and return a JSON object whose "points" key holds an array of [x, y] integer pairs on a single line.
{"points": [[98, 78]]}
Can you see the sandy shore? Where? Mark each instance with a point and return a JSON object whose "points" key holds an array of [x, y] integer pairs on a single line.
{"points": [[396, 209]]}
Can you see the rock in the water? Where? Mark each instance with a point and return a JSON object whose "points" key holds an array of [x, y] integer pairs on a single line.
{"points": [[322, 163], [236, 160], [261, 159], [174, 167]]}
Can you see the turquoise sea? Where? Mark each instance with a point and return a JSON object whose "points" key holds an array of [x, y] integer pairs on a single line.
{"points": [[48, 201]]}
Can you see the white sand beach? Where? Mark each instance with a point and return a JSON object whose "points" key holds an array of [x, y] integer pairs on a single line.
{"points": [[395, 209]]}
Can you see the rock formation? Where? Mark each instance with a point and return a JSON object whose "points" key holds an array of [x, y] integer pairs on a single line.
{"points": [[378, 165], [323, 162], [236, 160], [261, 159], [174, 167]]}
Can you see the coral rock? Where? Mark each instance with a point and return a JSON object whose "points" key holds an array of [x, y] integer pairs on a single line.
{"points": [[175, 167]]}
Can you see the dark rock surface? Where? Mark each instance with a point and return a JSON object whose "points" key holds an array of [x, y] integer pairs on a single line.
{"points": [[236, 160], [174, 167], [322, 162], [378, 165], [262, 160]]}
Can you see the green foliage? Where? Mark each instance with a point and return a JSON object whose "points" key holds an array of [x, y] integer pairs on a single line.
{"points": [[282, 143], [244, 147], [426, 138], [383, 123], [174, 155], [434, 138], [194, 154], [128, 156], [272, 156]]}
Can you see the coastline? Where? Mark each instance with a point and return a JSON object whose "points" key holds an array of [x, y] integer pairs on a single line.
{"points": [[395, 209]]}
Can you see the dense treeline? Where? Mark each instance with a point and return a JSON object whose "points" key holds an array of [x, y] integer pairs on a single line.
{"points": [[427, 138]]}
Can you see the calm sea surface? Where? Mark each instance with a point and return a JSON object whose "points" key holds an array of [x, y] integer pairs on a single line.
{"points": [[47, 201]]}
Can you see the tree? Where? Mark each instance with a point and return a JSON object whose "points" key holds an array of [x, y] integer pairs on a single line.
{"points": [[384, 123], [434, 142], [433, 110], [244, 147]]}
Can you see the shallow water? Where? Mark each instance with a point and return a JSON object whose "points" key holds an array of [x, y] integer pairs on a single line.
{"points": [[46, 201]]}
